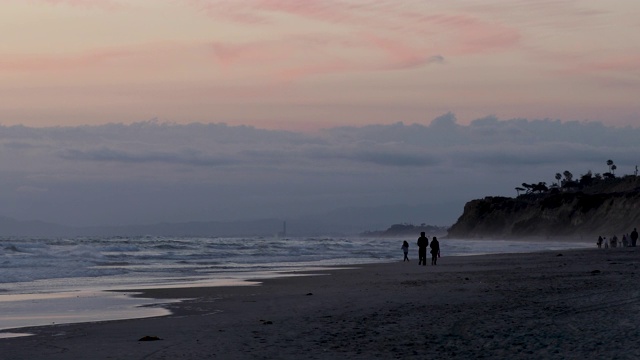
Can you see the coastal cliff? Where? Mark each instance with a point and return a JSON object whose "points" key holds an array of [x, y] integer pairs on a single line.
{"points": [[605, 208]]}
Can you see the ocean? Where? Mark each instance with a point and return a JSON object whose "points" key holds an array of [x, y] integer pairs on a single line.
{"points": [[66, 280]]}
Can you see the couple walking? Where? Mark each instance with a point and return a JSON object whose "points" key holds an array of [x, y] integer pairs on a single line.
{"points": [[423, 243]]}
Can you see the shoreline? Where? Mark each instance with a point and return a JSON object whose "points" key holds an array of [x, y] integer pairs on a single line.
{"points": [[89, 301], [90, 298], [551, 304]]}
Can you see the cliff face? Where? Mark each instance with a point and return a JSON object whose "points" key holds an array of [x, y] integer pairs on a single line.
{"points": [[608, 210]]}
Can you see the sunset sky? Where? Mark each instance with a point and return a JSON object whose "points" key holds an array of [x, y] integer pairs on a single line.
{"points": [[307, 65], [143, 111]]}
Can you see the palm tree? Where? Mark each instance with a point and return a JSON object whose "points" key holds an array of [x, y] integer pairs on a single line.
{"points": [[568, 176], [558, 177], [609, 163], [613, 169]]}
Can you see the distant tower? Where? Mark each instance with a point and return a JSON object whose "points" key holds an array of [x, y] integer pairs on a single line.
{"points": [[283, 233]]}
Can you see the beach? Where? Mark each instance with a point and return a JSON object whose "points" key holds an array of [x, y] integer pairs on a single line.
{"points": [[546, 305]]}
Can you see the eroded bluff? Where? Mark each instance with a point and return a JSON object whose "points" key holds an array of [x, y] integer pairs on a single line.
{"points": [[562, 214]]}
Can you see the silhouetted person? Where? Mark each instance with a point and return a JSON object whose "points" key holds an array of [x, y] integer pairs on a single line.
{"points": [[405, 249], [435, 250], [423, 242], [599, 243], [634, 237]]}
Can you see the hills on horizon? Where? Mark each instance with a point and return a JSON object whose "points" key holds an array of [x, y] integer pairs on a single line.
{"points": [[344, 221]]}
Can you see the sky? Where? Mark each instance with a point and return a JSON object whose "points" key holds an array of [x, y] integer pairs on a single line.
{"points": [[142, 111], [307, 65]]}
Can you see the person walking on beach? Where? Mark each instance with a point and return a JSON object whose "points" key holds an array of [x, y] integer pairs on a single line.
{"points": [[606, 242], [634, 237], [423, 242], [405, 249], [599, 243], [435, 250]]}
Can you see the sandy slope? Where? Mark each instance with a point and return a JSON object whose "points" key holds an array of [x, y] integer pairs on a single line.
{"points": [[582, 304]]}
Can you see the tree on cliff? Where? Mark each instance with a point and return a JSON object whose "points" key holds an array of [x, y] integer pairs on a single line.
{"points": [[570, 185], [568, 176], [558, 177], [568, 182], [612, 169], [518, 189], [532, 188], [586, 179], [540, 187], [610, 164]]}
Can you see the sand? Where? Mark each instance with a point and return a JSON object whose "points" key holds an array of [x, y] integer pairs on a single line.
{"points": [[551, 305]]}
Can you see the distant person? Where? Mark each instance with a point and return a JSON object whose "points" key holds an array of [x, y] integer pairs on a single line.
{"points": [[634, 237], [600, 241], [423, 242], [614, 241], [435, 250], [405, 249], [606, 242], [625, 241]]}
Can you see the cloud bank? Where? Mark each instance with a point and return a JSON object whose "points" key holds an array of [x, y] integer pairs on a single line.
{"points": [[152, 171]]}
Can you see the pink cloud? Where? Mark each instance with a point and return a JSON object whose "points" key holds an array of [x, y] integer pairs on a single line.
{"points": [[402, 35], [238, 11], [385, 54], [330, 11], [388, 18], [462, 34], [253, 53], [260, 11], [399, 55], [299, 57], [86, 59], [30, 63], [477, 37], [549, 13], [103, 4], [396, 36], [304, 71]]}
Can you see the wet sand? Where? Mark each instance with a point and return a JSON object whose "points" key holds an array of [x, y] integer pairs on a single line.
{"points": [[552, 305]]}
